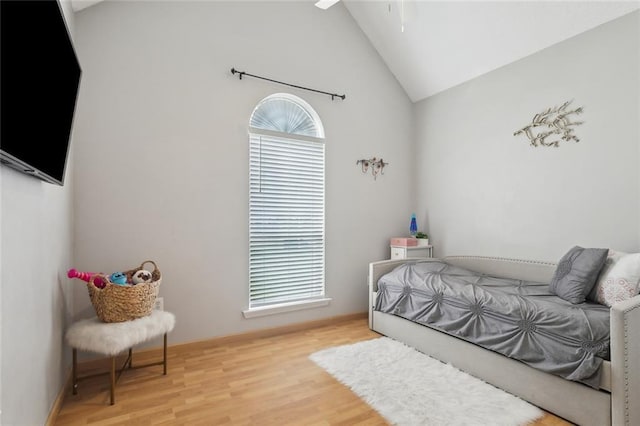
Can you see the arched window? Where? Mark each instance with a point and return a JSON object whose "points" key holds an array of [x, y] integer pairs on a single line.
{"points": [[286, 114], [286, 203]]}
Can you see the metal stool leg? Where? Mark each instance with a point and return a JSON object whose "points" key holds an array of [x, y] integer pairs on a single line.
{"points": [[74, 372], [164, 350], [113, 380]]}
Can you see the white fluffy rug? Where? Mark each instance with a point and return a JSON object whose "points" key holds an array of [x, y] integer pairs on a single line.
{"points": [[410, 388]]}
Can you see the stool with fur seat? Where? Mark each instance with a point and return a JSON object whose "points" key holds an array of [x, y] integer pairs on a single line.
{"points": [[114, 338]]}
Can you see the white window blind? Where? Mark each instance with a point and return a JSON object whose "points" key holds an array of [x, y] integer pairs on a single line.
{"points": [[286, 223]]}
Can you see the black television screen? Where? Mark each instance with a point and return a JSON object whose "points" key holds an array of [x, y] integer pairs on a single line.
{"points": [[39, 75]]}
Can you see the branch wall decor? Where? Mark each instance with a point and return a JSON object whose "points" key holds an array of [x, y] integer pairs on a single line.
{"points": [[553, 124], [377, 166]]}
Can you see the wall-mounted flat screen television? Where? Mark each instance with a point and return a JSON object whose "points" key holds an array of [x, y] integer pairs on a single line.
{"points": [[39, 80]]}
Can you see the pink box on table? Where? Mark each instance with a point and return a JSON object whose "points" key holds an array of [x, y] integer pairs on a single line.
{"points": [[404, 242]]}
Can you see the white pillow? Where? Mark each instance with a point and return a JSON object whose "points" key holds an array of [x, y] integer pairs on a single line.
{"points": [[619, 279]]}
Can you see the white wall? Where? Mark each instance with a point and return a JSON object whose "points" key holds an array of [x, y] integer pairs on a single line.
{"points": [[37, 249], [484, 191], [162, 171]]}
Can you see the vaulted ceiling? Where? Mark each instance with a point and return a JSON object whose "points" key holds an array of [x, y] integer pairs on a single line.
{"points": [[431, 46], [446, 43]]}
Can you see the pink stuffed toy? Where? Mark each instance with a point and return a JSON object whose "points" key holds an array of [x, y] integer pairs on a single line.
{"points": [[86, 276]]}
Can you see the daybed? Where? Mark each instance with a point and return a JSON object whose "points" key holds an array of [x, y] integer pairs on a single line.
{"points": [[614, 403]]}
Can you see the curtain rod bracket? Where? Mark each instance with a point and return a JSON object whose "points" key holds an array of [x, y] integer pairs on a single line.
{"points": [[241, 73], [235, 71]]}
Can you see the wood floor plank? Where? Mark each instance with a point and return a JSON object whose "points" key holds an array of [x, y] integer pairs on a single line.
{"points": [[263, 380]]}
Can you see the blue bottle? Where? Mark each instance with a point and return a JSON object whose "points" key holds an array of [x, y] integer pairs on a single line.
{"points": [[413, 228]]}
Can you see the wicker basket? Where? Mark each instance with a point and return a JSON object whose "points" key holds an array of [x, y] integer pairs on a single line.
{"points": [[117, 303]]}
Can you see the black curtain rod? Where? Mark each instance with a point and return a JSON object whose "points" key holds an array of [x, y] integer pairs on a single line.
{"points": [[241, 73]]}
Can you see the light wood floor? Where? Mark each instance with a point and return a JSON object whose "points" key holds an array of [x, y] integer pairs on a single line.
{"points": [[262, 381]]}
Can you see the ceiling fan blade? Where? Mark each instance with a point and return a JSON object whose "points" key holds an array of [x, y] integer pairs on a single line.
{"points": [[326, 4]]}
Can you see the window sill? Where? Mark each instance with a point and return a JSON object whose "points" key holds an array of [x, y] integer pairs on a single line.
{"points": [[285, 307]]}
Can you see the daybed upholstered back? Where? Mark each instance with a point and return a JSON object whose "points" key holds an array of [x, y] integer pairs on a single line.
{"points": [[528, 270]]}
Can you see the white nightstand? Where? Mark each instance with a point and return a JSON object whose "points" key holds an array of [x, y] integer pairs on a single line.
{"points": [[401, 252]]}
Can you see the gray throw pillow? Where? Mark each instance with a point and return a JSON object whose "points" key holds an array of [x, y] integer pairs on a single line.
{"points": [[576, 273]]}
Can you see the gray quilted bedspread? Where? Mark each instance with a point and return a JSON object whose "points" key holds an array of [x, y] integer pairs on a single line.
{"points": [[519, 319]]}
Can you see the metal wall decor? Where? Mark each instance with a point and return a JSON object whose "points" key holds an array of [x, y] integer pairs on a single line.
{"points": [[377, 166], [551, 126]]}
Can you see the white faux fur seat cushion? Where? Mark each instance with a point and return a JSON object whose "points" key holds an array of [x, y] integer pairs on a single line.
{"points": [[112, 338]]}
